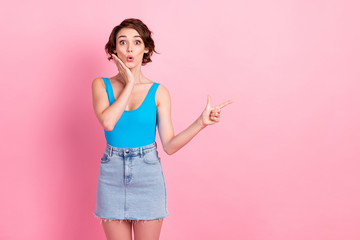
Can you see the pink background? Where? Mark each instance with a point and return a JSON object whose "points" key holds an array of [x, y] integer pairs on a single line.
{"points": [[283, 163]]}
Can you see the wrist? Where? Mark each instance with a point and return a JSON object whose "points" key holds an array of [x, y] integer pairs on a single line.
{"points": [[200, 123], [131, 84]]}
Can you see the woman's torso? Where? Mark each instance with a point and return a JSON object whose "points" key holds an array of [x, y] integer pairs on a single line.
{"points": [[137, 125]]}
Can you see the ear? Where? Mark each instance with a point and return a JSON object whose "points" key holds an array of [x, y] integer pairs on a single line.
{"points": [[146, 50]]}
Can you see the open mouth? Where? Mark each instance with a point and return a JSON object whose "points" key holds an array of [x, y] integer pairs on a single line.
{"points": [[130, 58]]}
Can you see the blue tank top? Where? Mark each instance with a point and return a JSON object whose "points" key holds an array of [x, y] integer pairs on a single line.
{"points": [[135, 128]]}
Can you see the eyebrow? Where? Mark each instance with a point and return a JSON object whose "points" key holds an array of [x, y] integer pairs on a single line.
{"points": [[125, 36]]}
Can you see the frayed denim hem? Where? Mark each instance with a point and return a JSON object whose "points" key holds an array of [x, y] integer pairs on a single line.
{"points": [[126, 220]]}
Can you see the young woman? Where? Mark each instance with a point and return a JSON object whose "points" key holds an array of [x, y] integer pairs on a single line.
{"points": [[131, 189]]}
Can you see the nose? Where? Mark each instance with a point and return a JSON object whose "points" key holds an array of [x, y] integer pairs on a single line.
{"points": [[129, 48]]}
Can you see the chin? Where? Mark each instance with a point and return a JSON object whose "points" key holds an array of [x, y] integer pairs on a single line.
{"points": [[131, 64]]}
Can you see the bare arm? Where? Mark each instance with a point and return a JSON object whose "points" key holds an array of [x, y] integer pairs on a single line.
{"points": [[171, 143], [108, 115]]}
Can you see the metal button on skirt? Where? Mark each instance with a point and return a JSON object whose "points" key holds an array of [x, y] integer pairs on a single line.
{"points": [[131, 184]]}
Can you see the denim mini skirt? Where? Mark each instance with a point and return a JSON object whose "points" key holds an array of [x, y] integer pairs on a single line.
{"points": [[131, 184]]}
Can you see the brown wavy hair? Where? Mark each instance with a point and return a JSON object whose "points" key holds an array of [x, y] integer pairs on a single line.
{"points": [[145, 35]]}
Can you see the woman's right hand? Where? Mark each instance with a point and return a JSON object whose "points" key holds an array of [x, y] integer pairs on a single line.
{"points": [[124, 71]]}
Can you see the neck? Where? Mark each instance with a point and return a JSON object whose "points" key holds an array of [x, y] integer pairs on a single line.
{"points": [[138, 75]]}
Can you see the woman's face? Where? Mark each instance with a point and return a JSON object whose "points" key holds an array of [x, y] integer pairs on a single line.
{"points": [[130, 44]]}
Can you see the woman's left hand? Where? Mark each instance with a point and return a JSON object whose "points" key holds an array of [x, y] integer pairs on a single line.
{"points": [[211, 115]]}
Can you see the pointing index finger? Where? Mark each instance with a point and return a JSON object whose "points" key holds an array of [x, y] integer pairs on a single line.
{"points": [[226, 103]]}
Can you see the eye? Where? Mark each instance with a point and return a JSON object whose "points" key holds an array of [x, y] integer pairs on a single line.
{"points": [[135, 41]]}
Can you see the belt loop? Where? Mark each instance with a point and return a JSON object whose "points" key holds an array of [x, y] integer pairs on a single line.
{"points": [[141, 152], [111, 151]]}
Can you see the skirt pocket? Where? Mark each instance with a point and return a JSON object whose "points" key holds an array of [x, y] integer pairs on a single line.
{"points": [[151, 157], [105, 158]]}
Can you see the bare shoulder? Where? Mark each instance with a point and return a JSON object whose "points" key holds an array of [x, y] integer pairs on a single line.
{"points": [[163, 89], [162, 95], [98, 89], [97, 82]]}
